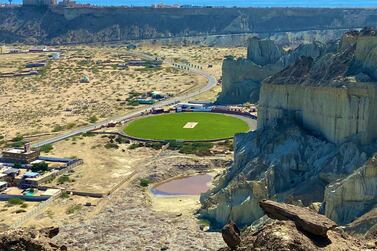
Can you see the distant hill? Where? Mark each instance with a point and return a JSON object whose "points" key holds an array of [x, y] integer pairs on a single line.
{"points": [[82, 25]]}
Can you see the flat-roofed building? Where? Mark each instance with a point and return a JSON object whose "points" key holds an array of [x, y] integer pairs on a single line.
{"points": [[18, 155]]}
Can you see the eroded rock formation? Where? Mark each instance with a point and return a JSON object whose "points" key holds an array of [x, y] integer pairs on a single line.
{"points": [[282, 162], [315, 144], [242, 77], [334, 96], [353, 196]]}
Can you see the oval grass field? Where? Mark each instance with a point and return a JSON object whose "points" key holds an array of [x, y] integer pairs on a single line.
{"points": [[193, 126]]}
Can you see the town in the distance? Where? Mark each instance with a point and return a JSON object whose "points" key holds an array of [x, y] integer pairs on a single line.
{"points": [[166, 127]]}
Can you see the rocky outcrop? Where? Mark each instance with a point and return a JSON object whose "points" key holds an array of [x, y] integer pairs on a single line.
{"points": [[363, 224], [315, 142], [241, 78], [30, 240], [263, 52], [327, 95], [305, 219], [353, 196], [298, 228], [285, 236], [279, 162]]}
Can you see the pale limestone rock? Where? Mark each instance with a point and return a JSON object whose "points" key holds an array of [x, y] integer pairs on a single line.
{"points": [[283, 162], [242, 77], [353, 196], [338, 114], [276, 162], [263, 52]]}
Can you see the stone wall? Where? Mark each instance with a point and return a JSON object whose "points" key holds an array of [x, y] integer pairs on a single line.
{"points": [[336, 113]]}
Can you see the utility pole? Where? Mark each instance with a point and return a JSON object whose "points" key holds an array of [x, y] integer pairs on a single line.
{"points": [[10, 2]]}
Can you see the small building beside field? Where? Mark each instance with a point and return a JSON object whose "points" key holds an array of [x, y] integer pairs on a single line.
{"points": [[24, 155], [188, 107]]}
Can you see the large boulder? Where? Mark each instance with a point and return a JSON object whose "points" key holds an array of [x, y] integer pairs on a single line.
{"points": [[231, 235], [304, 218], [285, 236]]}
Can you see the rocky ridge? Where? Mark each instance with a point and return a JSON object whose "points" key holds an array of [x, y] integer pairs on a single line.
{"points": [[86, 24]]}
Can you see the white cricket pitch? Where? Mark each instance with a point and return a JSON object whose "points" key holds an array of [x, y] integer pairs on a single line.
{"points": [[190, 125]]}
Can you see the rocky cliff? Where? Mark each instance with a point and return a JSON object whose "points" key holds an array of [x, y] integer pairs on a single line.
{"points": [[241, 78], [82, 25], [315, 143], [353, 196], [282, 162], [333, 96]]}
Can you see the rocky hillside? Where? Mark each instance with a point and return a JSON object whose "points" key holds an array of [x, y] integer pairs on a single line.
{"points": [[82, 25], [281, 162], [315, 144], [30, 240], [242, 77]]}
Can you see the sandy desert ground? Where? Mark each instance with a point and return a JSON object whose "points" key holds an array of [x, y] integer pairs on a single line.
{"points": [[131, 206], [56, 100]]}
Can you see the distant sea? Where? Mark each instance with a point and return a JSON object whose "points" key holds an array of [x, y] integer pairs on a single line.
{"points": [[239, 3]]}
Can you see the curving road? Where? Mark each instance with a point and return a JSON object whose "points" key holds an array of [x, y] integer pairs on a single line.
{"points": [[210, 84]]}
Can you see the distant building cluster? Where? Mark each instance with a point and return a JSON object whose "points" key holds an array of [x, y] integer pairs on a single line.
{"points": [[39, 2], [63, 3]]}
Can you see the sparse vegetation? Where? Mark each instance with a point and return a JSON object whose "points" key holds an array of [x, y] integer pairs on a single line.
{"points": [[73, 208], [64, 195], [57, 128], [88, 134], [63, 179], [93, 119], [197, 148], [46, 148], [110, 145], [39, 167], [144, 182], [15, 201]]}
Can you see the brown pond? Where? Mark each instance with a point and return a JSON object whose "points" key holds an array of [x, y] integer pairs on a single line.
{"points": [[193, 185]]}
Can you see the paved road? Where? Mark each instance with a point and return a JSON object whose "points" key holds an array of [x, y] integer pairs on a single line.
{"points": [[210, 84]]}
